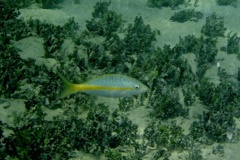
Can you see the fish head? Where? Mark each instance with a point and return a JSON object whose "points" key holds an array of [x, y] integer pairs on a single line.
{"points": [[136, 86]]}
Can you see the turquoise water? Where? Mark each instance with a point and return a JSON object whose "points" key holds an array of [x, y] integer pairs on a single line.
{"points": [[185, 52]]}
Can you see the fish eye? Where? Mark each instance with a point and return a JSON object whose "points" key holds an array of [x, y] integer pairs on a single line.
{"points": [[136, 86]]}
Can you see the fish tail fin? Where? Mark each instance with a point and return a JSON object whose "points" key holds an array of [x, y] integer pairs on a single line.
{"points": [[69, 87]]}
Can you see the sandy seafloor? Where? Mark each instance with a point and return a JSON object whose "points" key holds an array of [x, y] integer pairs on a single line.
{"points": [[170, 31]]}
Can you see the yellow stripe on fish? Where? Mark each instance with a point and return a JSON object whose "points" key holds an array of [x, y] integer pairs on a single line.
{"points": [[111, 85]]}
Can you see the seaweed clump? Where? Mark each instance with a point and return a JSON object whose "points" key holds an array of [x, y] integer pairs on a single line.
{"points": [[233, 44], [33, 137], [164, 3], [226, 2], [214, 26], [13, 68], [187, 15], [47, 4], [222, 102], [221, 97], [114, 53], [139, 38], [204, 49], [238, 75], [104, 21], [164, 138], [2, 153], [161, 102], [166, 70], [213, 127], [53, 35], [10, 25], [20, 77]]}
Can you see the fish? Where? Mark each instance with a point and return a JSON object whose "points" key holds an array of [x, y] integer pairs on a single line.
{"points": [[109, 85]]}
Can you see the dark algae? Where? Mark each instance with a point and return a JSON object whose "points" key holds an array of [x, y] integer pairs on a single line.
{"points": [[48, 3], [214, 26], [226, 2], [233, 44], [37, 138], [164, 3], [186, 15], [104, 22], [107, 44]]}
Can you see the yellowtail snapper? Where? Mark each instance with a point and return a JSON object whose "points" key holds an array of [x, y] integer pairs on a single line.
{"points": [[110, 85]]}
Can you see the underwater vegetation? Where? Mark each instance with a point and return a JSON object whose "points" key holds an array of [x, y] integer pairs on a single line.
{"points": [[204, 49], [104, 21], [13, 67], [165, 137], [233, 44], [2, 153], [226, 2], [50, 33], [214, 26], [238, 75], [140, 36], [46, 4], [221, 97], [160, 102], [36, 138], [222, 101], [111, 133], [186, 15], [115, 53], [164, 3], [213, 127], [189, 97]]}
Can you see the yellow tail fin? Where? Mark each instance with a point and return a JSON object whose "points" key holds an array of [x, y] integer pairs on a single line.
{"points": [[69, 87]]}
